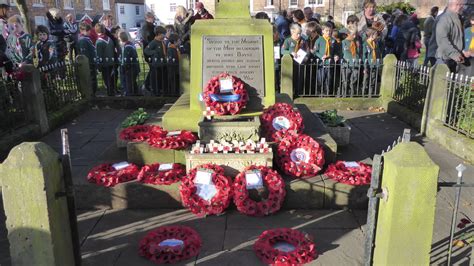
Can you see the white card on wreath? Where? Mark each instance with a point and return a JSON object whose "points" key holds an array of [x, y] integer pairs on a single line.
{"points": [[226, 85], [203, 177], [206, 192], [173, 133], [120, 166], [254, 180], [165, 167], [172, 242], [351, 164], [300, 56]]}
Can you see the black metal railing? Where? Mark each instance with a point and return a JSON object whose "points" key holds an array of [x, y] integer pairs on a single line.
{"points": [[59, 85], [343, 79], [158, 77], [458, 107], [411, 85], [12, 111]]}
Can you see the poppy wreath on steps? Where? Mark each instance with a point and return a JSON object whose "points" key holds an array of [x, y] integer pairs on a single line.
{"points": [[161, 174], [139, 133], [299, 155], [297, 248], [172, 140], [191, 199], [108, 176], [273, 183], [279, 119], [350, 173], [170, 244], [225, 103]]}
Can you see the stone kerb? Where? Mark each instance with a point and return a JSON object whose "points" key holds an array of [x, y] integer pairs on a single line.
{"points": [[407, 210], [387, 83], [83, 76], [38, 228], [433, 125], [35, 108]]}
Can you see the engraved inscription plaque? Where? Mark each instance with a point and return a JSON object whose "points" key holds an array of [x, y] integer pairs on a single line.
{"points": [[241, 56]]}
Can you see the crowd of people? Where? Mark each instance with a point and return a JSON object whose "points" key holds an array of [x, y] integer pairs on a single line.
{"points": [[366, 39]]}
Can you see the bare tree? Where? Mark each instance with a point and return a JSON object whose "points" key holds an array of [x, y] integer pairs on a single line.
{"points": [[23, 8]]}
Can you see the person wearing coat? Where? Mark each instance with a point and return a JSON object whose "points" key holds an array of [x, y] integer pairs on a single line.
{"points": [[57, 33], [368, 16]]}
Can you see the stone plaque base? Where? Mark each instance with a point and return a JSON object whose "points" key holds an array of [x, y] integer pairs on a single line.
{"points": [[341, 135], [233, 163], [230, 128]]}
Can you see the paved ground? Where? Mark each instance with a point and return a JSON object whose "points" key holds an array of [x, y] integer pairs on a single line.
{"points": [[110, 237]]}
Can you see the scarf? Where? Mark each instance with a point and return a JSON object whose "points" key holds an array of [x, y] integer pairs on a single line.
{"points": [[297, 46], [174, 47], [471, 45], [327, 52], [104, 37], [353, 47], [372, 46]]}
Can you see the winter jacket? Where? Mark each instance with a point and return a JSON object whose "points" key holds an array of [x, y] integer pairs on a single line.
{"points": [[362, 26], [468, 34], [105, 51], [56, 27], [46, 53], [129, 58], [449, 36], [87, 48], [20, 49], [283, 27], [147, 32], [72, 31], [204, 15]]}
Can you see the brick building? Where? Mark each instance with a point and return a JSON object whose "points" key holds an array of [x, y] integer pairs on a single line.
{"points": [[80, 8]]}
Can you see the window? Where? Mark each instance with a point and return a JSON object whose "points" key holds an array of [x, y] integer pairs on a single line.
{"points": [[172, 7], [152, 7], [122, 10], [137, 10], [106, 4], [293, 3], [314, 2], [269, 2], [38, 3], [124, 26], [87, 5], [68, 4], [41, 20]]}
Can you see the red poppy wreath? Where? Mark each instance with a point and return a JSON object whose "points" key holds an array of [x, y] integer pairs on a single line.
{"points": [[174, 140], [206, 190], [256, 177], [279, 119], [161, 174], [300, 155], [109, 175], [225, 99], [352, 173], [170, 244], [285, 246], [140, 133]]}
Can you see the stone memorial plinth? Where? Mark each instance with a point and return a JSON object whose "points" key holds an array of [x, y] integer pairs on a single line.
{"points": [[233, 163], [230, 128]]}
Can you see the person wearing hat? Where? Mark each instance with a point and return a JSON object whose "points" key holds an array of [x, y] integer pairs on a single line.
{"points": [[157, 52], [201, 12]]}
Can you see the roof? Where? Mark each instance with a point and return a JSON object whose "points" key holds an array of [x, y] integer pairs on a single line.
{"points": [[136, 2]]}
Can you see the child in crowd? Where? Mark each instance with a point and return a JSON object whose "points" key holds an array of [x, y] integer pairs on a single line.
{"points": [[157, 51], [86, 48], [173, 63], [105, 49], [371, 56], [294, 43], [169, 30], [350, 54], [44, 47], [129, 66], [313, 31], [19, 44], [325, 50]]}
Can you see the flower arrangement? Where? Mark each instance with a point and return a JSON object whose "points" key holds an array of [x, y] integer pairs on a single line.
{"points": [[269, 179], [279, 119], [159, 138], [138, 117], [109, 175], [352, 173], [225, 102], [170, 244], [161, 174], [205, 190], [285, 246], [139, 133], [299, 155]]}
